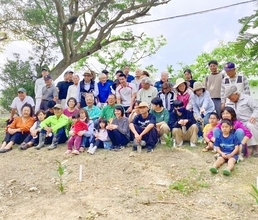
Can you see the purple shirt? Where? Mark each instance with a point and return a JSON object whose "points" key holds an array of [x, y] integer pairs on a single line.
{"points": [[236, 125]]}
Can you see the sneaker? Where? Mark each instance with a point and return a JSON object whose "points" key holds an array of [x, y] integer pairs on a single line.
{"points": [[214, 170], [76, 152], [21, 147], [90, 147], [180, 144], [93, 150], [226, 172], [200, 140], [81, 150], [192, 144], [68, 152], [150, 150], [52, 147], [241, 157]]}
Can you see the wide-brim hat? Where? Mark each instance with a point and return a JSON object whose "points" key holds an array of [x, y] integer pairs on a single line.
{"points": [[178, 82], [197, 86], [143, 104], [87, 72], [230, 90]]}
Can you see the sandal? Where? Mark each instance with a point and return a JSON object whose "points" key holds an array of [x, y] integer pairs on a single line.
{"points": [[214, 170], [81, 149], [226, 172], [206, 149], [76, 152]]}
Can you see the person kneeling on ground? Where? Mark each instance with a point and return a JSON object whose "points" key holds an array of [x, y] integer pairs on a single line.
{"points": [[227, 145], [143, 127], [54, 126], [183, 125]]}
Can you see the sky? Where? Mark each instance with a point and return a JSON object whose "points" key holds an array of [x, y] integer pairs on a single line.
{"points": [[187, 37]]}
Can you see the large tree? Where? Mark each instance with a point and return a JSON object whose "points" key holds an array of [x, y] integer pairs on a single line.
{"points": [[247, 41], [223, 53], [76, 28]]}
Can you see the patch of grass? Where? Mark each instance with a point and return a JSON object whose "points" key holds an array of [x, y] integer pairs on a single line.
{"points": [[193, 182]]}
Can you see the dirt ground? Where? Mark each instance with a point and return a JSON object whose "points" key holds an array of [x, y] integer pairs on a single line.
{"points": [[165, 184]]}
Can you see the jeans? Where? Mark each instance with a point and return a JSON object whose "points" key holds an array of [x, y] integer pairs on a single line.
{"points": [[205, 122], [29, 138], [16, 138], [58, 138]]}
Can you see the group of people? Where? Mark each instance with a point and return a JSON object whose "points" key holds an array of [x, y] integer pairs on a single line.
{"points": [[109, 114]]}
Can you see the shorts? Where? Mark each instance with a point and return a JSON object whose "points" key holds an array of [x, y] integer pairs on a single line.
{"points": [[235, 157]]}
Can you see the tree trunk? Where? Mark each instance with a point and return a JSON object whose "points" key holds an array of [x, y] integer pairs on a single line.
{"points": [[59, 68]]}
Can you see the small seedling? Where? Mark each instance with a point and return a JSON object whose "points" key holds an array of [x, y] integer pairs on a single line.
{"points": [[168, 140], [60, 173], [255, 194]]}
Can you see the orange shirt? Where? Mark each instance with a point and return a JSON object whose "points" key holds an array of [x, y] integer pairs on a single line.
{"points": [[24, 126]]}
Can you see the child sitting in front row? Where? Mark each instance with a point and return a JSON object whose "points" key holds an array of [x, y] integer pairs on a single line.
{"points": [[100, 137], [32, 138], [75, 139], [227, 145], [213, 121]]}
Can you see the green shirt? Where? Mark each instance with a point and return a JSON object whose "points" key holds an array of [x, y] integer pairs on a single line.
{"points": [[55, 123], [161, 116], [107, 112]]}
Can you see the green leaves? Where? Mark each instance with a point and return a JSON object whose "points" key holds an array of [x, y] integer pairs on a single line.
{"points": [[255, 194]]}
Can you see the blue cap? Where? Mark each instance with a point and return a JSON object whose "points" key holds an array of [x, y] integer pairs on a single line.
{"points": [[47, 77], [229, 66]]}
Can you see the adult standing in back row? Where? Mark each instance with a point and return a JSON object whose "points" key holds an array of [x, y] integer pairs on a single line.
{"points": [[233, 78], [213, 84], [62, 87], [39, 84]]}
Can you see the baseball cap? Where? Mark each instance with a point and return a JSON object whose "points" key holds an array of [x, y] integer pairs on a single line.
{"points": [[58, 106], [230, 90], [47, 77], [229, 66], [21, 90]]}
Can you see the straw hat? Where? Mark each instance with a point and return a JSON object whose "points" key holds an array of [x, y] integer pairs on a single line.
{"points": [[197, 86], [178, 82]]}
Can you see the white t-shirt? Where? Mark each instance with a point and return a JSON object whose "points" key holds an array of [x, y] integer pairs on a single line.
{"points": [[147, 95], [17, 103], [126, 93]]}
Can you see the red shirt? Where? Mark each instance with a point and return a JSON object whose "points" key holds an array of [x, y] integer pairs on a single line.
{"points": [[79, 126]]}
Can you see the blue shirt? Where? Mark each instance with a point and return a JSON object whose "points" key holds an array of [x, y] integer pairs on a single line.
{"points": [[129, 78], [104, 91], [227, 144]]}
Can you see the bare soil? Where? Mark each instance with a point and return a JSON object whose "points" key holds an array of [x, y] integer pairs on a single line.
{"points": [[165, 184]]}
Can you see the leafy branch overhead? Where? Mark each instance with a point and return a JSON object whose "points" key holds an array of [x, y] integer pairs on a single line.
{"points": [[74, 28]]}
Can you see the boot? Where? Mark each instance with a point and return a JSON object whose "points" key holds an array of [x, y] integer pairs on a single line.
{"points": [[41, 144], [54, 143]]}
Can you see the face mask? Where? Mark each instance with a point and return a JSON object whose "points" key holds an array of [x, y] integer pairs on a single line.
{"points": [[182, 110]]}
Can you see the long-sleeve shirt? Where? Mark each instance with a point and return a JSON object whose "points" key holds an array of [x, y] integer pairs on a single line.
{"points": [[79, 126], [236, 125], [202, 101], [35, 126], [90, 131], [73, 92], [24, 125], [55, 123], [94, 112], [185, 98], [122, 125], [175, 118], [240, 81], [102, 134], [39, 84], [213, 84], [246, 107]]}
